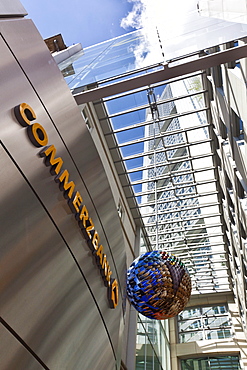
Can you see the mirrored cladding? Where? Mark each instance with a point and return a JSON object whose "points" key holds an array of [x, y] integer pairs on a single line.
{"points": [[45, 297], [57, 287]]}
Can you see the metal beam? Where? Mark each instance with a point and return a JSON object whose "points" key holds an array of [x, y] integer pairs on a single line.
{"points": [[167, 73]]}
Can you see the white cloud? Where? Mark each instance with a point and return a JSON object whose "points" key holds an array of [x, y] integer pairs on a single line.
{"points": [[156, 17], [134, 19], [181, 29], [168, 19], [140, 18], [167, 15]]}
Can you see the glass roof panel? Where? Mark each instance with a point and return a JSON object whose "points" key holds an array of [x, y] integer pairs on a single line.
{"points": [[160, 136], [192, 29], [165, 147], [183, 30]]}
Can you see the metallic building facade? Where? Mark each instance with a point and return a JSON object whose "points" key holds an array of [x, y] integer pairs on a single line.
{"points": [[147, 165], [55, 304]]}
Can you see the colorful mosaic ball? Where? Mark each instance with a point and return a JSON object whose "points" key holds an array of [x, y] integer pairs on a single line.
{"points": [[158, 285]]}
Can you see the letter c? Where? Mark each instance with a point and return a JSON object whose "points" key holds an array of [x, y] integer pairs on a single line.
{"points": [[24, 114]]}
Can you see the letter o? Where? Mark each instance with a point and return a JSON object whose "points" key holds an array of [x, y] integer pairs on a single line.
{"points": [[37, 135]]}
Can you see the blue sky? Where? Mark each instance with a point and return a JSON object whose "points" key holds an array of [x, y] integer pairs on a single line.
{"points": [[85, 21]]}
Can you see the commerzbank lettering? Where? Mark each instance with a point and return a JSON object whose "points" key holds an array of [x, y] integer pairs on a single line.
{"points": [[39, 138]]}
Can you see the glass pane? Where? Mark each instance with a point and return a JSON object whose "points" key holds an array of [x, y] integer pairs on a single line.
{"points": [[214, 310], [105, 60], [213, 363], [152, 348], [128, 119], [127, 102], [215, 322], [187, 314], [218, 334], [195, 364], [189, 325], [133, 134], [191, 337], [195, 323]]}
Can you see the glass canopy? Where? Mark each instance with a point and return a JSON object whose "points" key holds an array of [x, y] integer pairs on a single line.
{"points": [[183, 30], [161, 140]]}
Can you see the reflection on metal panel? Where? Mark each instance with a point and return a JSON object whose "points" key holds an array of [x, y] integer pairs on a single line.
{"points": [[44, 297], [12, 8], [19, 357], [54, 295]]}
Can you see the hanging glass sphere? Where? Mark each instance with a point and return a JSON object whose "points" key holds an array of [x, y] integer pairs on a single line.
{"points": [[158, 285]]}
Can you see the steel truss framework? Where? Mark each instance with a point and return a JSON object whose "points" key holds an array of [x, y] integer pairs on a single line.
{"points": [[162, 149]]}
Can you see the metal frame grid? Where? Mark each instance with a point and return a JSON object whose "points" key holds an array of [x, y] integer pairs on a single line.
{"points": [[163, 154], [204, 322]]}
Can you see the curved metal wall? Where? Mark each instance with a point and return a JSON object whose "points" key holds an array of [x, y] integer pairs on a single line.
{"points": [[54, 305]]}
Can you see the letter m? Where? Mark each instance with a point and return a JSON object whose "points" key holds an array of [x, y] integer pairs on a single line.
{"points": [[68, 187], [49, 153]]}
